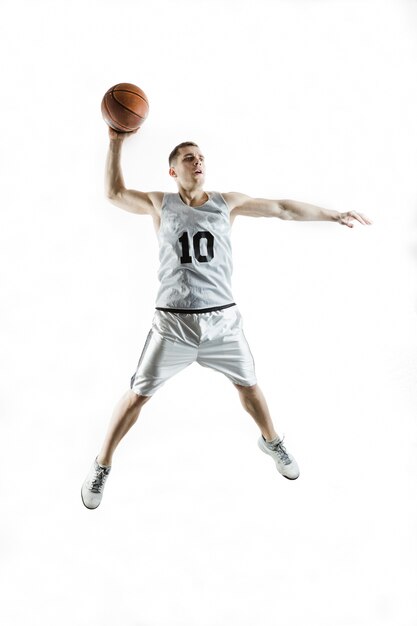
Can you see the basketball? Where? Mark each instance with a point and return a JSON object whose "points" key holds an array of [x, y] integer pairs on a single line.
{"points": [[124, 107]]}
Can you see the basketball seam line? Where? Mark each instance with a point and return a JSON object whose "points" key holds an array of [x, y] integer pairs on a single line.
{"points": [[112, 119], [128, 91], [127, 108]]}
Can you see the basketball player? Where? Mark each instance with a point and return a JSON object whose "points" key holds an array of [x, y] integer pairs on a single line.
{"points": [[196, 318]]}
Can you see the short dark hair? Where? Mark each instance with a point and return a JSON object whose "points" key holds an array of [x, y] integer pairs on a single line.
{"points": [[176, 150]]}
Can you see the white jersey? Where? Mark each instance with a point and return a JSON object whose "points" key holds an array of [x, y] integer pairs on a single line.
{"points": [[195, 255]]}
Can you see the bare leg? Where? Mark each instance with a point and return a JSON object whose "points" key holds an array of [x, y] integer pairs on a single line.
{"points": [[254, 403], [125, 414]]}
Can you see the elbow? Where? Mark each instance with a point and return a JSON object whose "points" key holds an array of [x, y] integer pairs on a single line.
{"points": [[110, 194], [285, 212], [113, 194]]}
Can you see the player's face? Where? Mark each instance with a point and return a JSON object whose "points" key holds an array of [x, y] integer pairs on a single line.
{"points": [[189, 168]]}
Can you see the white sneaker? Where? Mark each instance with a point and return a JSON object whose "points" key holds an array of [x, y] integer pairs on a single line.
{"points": [[285, 462], [92, 489]]}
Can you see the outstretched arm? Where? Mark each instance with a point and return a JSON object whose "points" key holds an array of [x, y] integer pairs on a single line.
{"points": [[240, 204], [127, 199]]}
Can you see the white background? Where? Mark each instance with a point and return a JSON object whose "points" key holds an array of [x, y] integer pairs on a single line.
{"points": [[311, 100]]}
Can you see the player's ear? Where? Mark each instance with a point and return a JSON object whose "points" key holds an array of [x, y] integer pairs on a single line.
{"points": [[172, 172]]}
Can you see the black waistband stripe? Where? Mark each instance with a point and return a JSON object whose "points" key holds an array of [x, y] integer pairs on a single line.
{"points": [[185, 311]]}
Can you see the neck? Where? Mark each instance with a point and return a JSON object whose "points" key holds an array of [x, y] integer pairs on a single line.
{"points": [[193, 197]]}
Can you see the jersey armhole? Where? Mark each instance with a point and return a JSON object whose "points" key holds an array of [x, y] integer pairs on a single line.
{"points": [[225, 202]]}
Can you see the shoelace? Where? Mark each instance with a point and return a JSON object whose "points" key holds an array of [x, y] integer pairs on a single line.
{"points": [[99, 479], [279, 448]]}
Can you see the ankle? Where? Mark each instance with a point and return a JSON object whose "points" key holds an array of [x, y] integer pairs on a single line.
{"points": [[272, 438], [104, 461]]}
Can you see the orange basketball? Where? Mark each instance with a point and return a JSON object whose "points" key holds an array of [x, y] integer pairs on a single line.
{"points": [[124, 107]]}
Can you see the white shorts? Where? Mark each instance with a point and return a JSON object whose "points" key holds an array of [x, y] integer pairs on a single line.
{"points": [[176, 340]]}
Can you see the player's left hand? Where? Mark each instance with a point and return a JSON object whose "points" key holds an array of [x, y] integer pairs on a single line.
{"points": [[347, 219]]}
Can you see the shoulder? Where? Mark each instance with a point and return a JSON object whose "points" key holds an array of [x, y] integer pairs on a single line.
{"points": [[234, 199]]}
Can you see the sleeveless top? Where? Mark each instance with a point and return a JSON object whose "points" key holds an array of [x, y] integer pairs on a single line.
{"points": [[195, 255]]}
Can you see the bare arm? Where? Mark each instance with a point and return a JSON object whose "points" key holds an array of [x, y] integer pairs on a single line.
{"points": [[288, 210], [127, 199]]}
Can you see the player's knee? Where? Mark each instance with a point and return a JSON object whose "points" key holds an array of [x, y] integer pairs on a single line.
{"points": [[137, 400], [249, 390]]}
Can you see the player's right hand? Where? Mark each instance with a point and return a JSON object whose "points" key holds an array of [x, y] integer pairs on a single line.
{"points": [[119, 136]]}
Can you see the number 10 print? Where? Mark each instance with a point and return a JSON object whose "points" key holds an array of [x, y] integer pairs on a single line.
{"points": [[185, 244]]}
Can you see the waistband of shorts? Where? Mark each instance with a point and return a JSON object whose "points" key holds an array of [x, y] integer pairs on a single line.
{"points": [[186, 311]]}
